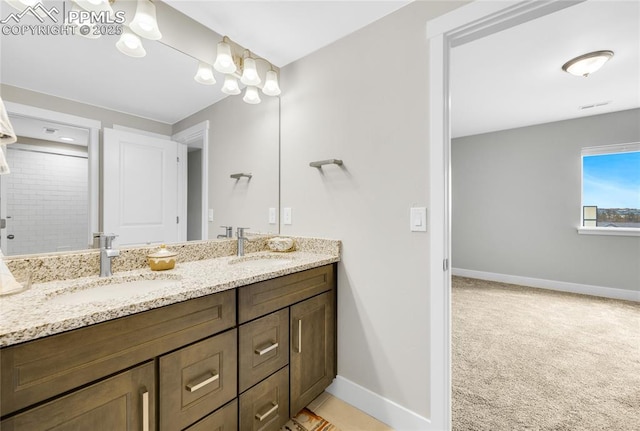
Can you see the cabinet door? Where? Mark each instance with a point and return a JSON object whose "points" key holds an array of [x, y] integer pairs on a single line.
{"points": [[196, 380], [263, 347], [312, 357], [265, 407], [124, 402]]}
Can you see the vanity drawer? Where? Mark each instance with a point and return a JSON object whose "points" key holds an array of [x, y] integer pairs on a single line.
{"points": [[196, 380], [224, 419], [264, 297], [263, 347], [125, 401], [265, 407], [40, 369]]}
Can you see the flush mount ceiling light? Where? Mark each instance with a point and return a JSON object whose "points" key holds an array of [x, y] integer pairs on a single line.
{"points": [[144, 22], [586, 64]]}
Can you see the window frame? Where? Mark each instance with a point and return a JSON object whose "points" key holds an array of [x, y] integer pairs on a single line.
{"points": [[631, 147]]}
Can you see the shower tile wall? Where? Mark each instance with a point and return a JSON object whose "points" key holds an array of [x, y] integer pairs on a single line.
{"points": [[47, 202]]}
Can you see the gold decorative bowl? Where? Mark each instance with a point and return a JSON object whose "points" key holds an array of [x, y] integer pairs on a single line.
{"points": [[162, 259]]}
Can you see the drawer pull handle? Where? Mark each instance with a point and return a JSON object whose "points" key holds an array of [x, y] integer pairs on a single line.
{"points": [[300, 336], [145, 411], [261, 417], [192, 387], [267, 349]]}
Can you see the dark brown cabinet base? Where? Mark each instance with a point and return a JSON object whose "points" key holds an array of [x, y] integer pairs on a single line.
{"points": [[240, 359]]}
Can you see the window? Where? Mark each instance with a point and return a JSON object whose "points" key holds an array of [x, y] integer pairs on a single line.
{"points": [[611, 190]]}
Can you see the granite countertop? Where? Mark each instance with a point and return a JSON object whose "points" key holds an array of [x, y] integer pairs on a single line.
{"points": [[36, 313]]}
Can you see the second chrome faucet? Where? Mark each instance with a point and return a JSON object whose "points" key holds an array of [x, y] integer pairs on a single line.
{"points": [[241, 240]]}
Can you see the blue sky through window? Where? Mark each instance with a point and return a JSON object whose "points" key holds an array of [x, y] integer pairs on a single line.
{"points": [[611, 180]]}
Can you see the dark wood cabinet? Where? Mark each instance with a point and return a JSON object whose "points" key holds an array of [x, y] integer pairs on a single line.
{"points": [[196, 380], [312, 358], [244, 358], [124, 402]]}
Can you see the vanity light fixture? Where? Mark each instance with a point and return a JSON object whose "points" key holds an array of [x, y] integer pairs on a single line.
{"points": [[586, 64], [144, 22], [249, 70], [251, 95], [271, 87], [205, 74], [130, 44], [224, 58], [230, 85]]}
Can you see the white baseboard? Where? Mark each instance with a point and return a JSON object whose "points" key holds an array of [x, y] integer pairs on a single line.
{"points": [[397, 417], [563, 286]]}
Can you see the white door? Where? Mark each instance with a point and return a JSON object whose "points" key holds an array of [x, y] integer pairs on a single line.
{"points": [[140, 188]]}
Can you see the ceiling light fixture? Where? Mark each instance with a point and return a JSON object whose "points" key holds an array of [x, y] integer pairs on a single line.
{"points": [[144, 22], [224, 58], [586, 64], [205, 74], [130, 44], [230, 85], [251, 95], [249, 70]]}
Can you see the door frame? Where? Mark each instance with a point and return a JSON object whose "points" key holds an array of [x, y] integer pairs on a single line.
{"points": [[468, 23], [94, 127], [196, 136]]}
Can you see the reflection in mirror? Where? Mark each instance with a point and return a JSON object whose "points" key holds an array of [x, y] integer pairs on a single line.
{"points": [[45, 198], [80, 74]]}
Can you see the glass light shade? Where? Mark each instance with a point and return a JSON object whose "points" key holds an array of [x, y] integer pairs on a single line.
{"points": [[586, 64], [224, 60], [144, 22], [205, 74], [130, 44], [230, 85], [251, 95], [249, 72], [271, 87]]}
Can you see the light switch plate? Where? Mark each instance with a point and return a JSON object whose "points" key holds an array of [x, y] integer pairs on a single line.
{"points": [[286, 215], [272, 216], [418, 219], [210, 214]]}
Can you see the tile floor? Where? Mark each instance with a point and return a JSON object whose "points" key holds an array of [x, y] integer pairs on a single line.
{"points": [[345, 416]]}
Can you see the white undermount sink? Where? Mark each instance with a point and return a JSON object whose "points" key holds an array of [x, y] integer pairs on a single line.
{"points": [[108, 289], [261, 261]]}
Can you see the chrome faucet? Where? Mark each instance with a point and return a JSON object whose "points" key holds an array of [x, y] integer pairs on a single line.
{"points": [[107, 253], [241, 240], [228, 232]]}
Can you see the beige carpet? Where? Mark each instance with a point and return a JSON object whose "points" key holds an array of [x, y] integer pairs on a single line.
{"points": [[533, 359]]}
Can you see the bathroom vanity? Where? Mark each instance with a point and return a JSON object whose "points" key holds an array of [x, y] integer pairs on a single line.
{"points": [[245, 356]]}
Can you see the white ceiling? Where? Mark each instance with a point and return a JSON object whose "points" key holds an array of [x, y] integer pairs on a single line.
{"points": [[514, 78], [509, 79]]}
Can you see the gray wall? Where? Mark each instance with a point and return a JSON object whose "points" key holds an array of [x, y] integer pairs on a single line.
{"points": [[351, 102], [516, 204], [242, 138], [194, 195]]}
